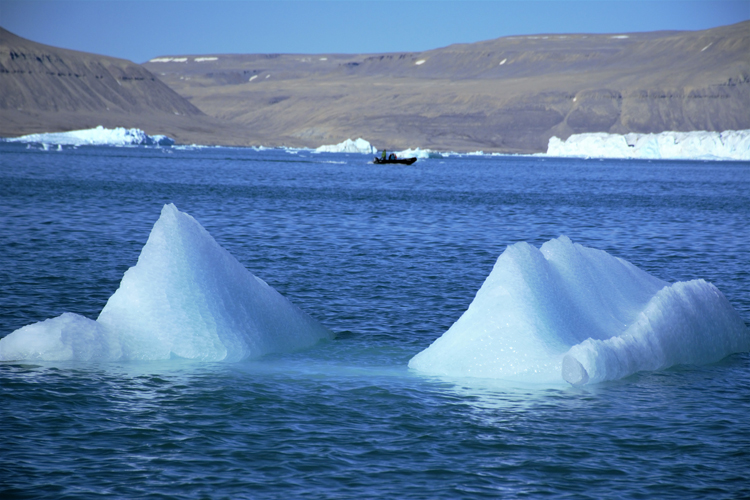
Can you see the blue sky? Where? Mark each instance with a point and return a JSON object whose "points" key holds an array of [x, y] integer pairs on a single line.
{"points": [[141, 29]]}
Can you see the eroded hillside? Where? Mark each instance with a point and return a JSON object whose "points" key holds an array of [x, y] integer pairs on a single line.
{"points": [[510, 94], [47, 89]]}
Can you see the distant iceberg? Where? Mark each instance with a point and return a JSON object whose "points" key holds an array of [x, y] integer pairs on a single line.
{"points": [[98, 136], [572, 313], [348, 146], [187, 297], [728, 145], [420, 153]]}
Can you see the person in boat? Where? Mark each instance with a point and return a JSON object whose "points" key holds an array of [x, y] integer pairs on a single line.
{"points": [[392, 156], [382, 157]]}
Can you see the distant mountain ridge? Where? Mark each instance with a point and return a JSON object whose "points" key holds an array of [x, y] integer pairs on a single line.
{"points": [[48, 89], [510, 94], [507, 95], [81, 81]]}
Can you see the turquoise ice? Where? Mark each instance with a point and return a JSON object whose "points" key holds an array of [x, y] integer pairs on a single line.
{"points": [[568, 312], [186, 297]]}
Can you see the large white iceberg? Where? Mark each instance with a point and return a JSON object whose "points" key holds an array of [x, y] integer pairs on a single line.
{"points": [[98, 136], [186, 297], [348, 146], [728, 145], [568, 312]]}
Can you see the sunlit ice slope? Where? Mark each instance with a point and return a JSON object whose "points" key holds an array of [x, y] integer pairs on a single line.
{"points": [[186, 297], [565, 312], [507, 95]]}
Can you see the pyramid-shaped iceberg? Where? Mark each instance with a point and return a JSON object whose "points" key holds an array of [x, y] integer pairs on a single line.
{"points": [[186, 297]]}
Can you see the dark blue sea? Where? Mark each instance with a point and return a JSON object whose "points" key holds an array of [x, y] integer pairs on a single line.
{"points": [[387, 257]]}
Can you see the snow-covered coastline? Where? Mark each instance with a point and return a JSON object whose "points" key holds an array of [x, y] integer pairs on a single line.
{"points": [[698, 145], [98, 136], [701, 145], [727, 145]]}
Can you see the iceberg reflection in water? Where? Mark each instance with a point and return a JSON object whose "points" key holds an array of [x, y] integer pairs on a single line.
{"points": [[565, 311], [187, 297]]}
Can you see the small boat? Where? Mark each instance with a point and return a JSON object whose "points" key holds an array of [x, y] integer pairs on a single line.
{"points": [[404, 161]]}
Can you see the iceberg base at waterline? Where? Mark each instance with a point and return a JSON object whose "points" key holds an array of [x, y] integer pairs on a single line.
{"points": [[569, 313], [186, 297], [68, 337]]}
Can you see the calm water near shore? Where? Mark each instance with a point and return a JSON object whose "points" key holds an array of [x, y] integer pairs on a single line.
{"points": [[388, 257]]}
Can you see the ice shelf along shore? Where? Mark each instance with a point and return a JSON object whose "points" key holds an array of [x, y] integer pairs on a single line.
{"points": [[98, 136], [565, 312], [187, 297], [728, 145]]}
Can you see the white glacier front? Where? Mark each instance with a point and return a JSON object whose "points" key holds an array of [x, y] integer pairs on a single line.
{"points": [[348, 146], [568, 312], [186, 297], [98, 136], [727, 145]]}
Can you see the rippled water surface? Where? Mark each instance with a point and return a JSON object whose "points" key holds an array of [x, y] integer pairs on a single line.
{"points": [[388, 258]]}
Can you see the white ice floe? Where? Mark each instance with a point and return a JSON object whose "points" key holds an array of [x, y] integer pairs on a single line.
{"points": [[348, 146], [98, 136], [419, 153], [187, 297], [565, 312], [728, 145]]}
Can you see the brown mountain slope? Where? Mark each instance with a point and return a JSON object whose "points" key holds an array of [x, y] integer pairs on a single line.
{"points": [[46, 89], [510, 94]]}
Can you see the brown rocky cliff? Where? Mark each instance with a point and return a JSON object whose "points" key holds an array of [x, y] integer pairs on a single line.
{"points": [[47, 89], [510, 94], [37, 77]]}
